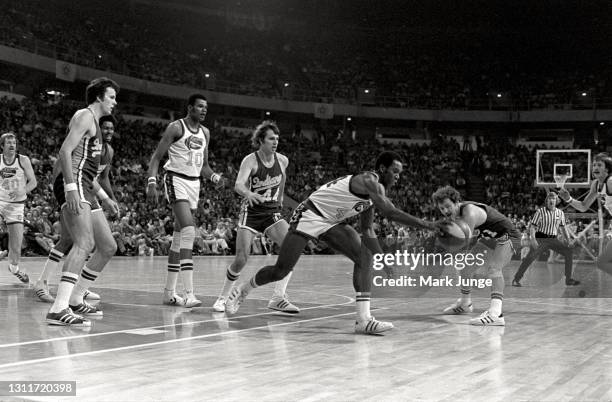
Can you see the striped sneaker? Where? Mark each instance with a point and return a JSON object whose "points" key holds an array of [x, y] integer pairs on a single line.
{"points": [[283, 305], [67, 317], [235, 299], [458, 308], [172, 299], [89, 295], [22, 276], [86, 309], [487, 319], [372, 326], [42, 292], [219, 305]]}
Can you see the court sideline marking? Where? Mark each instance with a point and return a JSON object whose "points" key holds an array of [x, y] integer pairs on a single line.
{"points": [[351, 300], [237, 331]]}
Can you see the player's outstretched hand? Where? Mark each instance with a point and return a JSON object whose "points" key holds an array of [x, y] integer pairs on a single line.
{"points": [[440, 226], [564, 194]]}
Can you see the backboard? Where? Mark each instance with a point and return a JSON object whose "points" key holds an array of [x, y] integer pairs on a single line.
{"points": [[556, 165]]}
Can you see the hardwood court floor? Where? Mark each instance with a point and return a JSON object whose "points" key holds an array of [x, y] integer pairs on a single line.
{"points": [[555, 346]]}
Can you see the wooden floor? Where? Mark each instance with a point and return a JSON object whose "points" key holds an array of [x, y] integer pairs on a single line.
{"points": [[555, 346]]}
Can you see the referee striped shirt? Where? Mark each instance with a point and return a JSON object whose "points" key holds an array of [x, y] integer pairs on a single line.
{"points": [[547, 221]]}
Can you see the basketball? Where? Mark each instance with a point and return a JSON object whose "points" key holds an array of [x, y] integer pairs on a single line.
{"points": [[456, 236]]}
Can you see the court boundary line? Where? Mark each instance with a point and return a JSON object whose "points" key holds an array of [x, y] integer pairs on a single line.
{"points": [[8, 345], [560, 305], [168, 341]]}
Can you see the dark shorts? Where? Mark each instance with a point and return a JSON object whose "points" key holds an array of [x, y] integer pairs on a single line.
{"points": [[84, 188], [258, 221]]}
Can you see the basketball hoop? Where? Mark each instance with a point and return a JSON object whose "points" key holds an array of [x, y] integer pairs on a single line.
{"points": [[560, 180]]}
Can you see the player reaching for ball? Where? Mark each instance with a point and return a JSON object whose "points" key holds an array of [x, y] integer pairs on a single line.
{"points": [[323, 216], [494, 229]]}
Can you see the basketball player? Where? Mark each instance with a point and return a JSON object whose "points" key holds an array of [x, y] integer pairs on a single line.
{"points": [[104, 193], [260, 181], [79, 159], [16, 181], [322, 216], [496, 231], [601, 187], [186, 143]]}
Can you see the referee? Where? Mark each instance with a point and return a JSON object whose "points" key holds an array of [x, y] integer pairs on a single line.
{"points": [[544, 227]]}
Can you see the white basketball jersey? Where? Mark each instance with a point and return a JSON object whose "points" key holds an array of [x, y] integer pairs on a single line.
{"points": [[186, 155], [12, 181], [336, 202]]}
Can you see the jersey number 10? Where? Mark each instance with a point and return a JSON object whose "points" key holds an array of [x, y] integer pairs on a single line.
{"points": [[199, 158]]}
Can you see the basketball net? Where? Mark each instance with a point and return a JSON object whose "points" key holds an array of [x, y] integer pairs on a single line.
{"points": [[560, 180]]}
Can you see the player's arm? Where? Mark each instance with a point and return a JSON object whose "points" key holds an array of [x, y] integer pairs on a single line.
{"points": [[284, 163], [31, 182], [80, 124], [104, 191], [172, 133], [583, 205], [474, 216], [104, 178], [247, 167], [368, 236], [376, 192], [207, 172]]}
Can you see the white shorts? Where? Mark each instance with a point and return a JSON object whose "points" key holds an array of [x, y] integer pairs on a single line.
{"points": [[182, 188], [308, 223], [12, 212]]}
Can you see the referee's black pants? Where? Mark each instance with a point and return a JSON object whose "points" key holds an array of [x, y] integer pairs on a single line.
{"points": [[545, 244]]}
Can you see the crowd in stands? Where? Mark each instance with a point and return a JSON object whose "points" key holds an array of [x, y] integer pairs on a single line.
{"points": [[419, 67]]}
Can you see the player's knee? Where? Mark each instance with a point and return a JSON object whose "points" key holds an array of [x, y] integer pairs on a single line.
{"points": [[187, 236], [495, 272], [175, 246], [109, 249], [85, 243]]}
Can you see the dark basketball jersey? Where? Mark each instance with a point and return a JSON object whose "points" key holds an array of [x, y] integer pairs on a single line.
{"points": [[86, 156], [104, 159], [496, 225], [267, 181]]}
